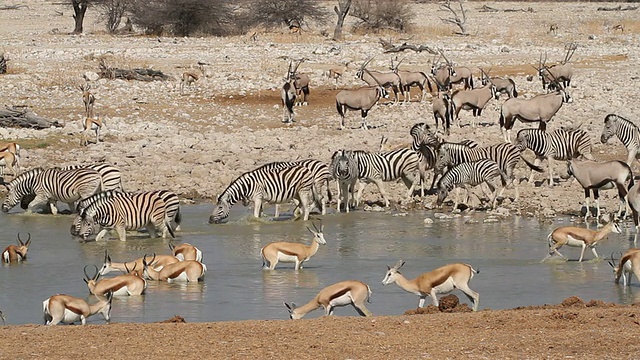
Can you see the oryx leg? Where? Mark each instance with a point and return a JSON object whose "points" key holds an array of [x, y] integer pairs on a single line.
{"points": [[364, 113], [596, 197], [622, 195], [587, 195], [631, 156]]}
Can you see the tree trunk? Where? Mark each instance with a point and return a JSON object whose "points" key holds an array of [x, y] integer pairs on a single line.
{"points": [[79, 9], [342, 14], [3, 64]]}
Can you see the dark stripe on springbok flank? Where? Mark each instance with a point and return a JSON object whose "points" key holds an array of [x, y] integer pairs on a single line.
{"points": [[339, 293], [287, 252]]}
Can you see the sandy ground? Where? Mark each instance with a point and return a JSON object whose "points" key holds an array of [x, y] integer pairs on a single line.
{"points": [[196, 143]]}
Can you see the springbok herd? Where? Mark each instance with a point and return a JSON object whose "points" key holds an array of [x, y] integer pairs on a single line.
{"points": [[95, 194]]}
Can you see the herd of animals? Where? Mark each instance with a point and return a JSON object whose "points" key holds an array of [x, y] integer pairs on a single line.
{"points": [[95, 194]]}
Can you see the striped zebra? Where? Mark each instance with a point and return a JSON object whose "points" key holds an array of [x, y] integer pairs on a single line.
{"points": [[270, 185], [506, 155], [471, 174], [626, 131], [344, 168], [170, 199], [111, 179], [52, 185], [321, 175], [556, 145], [387, 166], [122, 212]]}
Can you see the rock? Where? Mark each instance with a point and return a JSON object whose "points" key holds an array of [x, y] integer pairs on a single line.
{"points": [[428, 221], [548, 212], [91, 76]]}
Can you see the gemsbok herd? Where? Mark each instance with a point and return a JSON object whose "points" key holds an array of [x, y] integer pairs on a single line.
{"points": [[99, 204]]}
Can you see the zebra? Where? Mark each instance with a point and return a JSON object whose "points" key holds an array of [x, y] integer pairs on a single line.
{"points": [[471, 174], [321, 175], [170, 199], [272, 185], [52, 185], [505, 154], [556, 145], [626, 131], [344, 168], [122, 212], [386, 166]]}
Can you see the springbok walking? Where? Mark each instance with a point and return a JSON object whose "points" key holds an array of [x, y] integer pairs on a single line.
{"points": [[287, 252], [579, 237], [349, 292]]}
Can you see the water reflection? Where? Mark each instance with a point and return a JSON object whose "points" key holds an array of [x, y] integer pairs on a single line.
{"points": [[277, 284]]}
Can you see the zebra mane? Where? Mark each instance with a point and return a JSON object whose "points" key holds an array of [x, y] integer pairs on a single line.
{"points": [[90, 204], [239, 187], [27, 175], [618, 117]]}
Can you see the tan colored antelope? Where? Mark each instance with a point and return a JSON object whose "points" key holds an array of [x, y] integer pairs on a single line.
{"points": [[288, 252], [362, 99], [442, 280], [91, 124], [121, 285], [382, 79], [88, 99], [474, 99], [188, 270], [11, 160], [11, 147], [629, 265], [412, 78], [336, 72], [68, 309], [186, 251], [15, 253], [580, 237], [158, 263], [189, 78], [349, 292], [443, 109]]}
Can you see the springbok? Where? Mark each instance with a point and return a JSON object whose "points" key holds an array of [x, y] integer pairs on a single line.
{"points": [[362, 99], [11, 160], [15, 253], [377, 78], [190, 77], [443, 109], [629, 265], [188, 270], [595, 176], [580, 237], [158, 263], [474, 99], [88, 99], [442, 280], [540, 108], [69, 309], [122, 285], [186, 251], [349, 292], [11, 147], [91, 124], [336, 72], [288, 252], [288, 97]]}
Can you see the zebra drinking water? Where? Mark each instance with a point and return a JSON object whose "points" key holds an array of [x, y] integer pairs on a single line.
{"points": [[471, 174]]}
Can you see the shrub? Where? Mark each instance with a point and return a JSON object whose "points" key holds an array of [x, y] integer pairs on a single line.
{"points": [[382, 14]]}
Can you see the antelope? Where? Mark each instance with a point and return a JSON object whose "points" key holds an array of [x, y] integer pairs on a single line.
{"points": [[190, 77], [540, 108], [503, 86], [159, 262], [442, 74], [300, 84], [90, 124], [449, 74], [188, 270], [349, 292], [474, 99], [11, 147], [186, 251], [553, 29], [287, 252], [288, 97], [629, 265], [336, 73], [88, 99], [384, 80], [595, 176], [557, 76], [442, 280], [580, 237], [412, 78], [69, 309], [11, 160], [362, 99], [15, 253], [129, 284], [633, 199], [443, 109]]}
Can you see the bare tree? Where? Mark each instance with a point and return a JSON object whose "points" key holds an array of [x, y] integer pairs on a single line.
{"points": [[382, 14], [79, 9], [341, 10], [112, 12], [3, 63], [457, 18]]}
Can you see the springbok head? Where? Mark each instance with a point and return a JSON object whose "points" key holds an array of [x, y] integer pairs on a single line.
{"points": [[91, 280], [392, 273], [318, 233]]}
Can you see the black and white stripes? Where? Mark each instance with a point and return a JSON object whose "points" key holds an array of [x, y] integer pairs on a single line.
{"points": [[625, 130], [471, 174]]}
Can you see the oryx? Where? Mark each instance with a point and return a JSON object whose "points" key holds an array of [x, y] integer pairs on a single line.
{"points": [[377, 78]]}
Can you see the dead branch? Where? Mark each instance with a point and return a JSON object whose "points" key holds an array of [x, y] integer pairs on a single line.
{"points": [[13, 7], [390, 48], [618, 8], [23, 117], [131, 74], [486, 8], [458, 17]]}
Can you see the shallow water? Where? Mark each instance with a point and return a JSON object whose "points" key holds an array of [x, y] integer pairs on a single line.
{"points": [[359, 246]]}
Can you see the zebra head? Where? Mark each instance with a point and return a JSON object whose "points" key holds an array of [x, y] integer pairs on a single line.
{"points": [[88, 227], [442, 194], [443, 160], [76, 225], [610, 126], [522, 140], [220, 212]]}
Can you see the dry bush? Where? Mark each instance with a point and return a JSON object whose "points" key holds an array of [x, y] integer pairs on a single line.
{"points": [[382, 14], [274, 13], [112, 11]]}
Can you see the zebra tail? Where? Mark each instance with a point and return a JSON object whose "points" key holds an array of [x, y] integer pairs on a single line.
{"points": [[178, 217], [167, 223], [503, 177], [532, 166], [329, 196]]}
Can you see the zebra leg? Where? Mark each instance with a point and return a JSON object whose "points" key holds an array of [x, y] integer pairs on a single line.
{"points": [[550, 162], [304, 204], [494, 193], [257, 207], [380, 186], [360, 191], [122, 232], [596, 199], [151, 229], [54, 208], [277, 214], [536, 162], [104, 232]]}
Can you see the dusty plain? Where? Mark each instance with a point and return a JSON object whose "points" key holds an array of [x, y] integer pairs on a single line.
{"points": [[196, 143]]}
